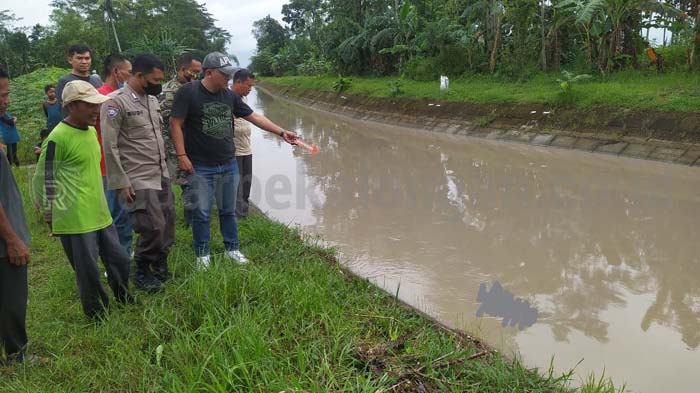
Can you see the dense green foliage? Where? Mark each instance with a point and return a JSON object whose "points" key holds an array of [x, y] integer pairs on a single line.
{"points": [[673, 92], [27, 95], [512, 39], [166, 28]]}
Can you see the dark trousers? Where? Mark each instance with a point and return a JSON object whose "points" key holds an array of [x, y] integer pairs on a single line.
{"points": [[245, 168], [152, 215], [12, 153], [13, 308], [82, 251]]}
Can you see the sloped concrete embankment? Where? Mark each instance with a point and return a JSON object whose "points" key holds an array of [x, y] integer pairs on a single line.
{"points": [[672, 137]]}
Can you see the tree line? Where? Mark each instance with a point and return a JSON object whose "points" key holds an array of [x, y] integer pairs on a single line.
{"points": [[419, 39], [166, 28], [422, 39]]}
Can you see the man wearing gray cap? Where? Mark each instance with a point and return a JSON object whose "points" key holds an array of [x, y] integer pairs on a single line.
{"points": [[68, 188], [201, 126]]}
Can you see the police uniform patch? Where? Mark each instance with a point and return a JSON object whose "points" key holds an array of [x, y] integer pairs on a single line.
{"points": [[112, 111]]}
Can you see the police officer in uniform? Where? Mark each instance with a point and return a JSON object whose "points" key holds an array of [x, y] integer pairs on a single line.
{"points": [[136, 166]]}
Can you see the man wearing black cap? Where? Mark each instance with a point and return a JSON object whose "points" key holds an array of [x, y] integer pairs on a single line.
{"points": [[201, 126]]}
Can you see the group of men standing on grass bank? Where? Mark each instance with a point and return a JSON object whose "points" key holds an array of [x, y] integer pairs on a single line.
{"points": [[106, 171]]}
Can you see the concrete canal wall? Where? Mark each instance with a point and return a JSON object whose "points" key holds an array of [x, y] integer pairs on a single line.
{"points": [[672, 137]]}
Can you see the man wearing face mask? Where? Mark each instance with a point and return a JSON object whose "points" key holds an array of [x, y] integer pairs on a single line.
{"points": [[117, 69], [188, 69], [136, 167]]}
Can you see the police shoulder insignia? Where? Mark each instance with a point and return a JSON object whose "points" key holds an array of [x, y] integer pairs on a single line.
{"points": [[112, 111]]}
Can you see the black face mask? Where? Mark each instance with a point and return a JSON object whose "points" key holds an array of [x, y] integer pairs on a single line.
{"points": [[191, 77], [153, 89]]}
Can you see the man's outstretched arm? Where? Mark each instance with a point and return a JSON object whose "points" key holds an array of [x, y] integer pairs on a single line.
{"points": [[268, 125]]}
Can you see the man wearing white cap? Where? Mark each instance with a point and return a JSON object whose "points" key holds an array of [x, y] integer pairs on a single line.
{"points": [[68, 188]]}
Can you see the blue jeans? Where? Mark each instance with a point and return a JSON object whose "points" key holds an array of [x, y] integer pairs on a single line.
{"points": [[203, 186], [120, 217]]}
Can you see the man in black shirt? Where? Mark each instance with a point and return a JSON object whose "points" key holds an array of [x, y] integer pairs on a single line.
{"points": [[201, 126], [80, 59]]}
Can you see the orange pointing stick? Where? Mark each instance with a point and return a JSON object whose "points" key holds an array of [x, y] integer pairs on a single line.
{"points": [[312, 148]]}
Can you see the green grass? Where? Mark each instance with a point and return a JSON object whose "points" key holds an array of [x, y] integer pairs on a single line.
{"points": [[293, 320], [674, 92]]}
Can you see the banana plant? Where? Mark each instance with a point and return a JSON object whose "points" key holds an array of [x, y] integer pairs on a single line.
{"points": [[585, 15], [488, 15], [611, 24]]}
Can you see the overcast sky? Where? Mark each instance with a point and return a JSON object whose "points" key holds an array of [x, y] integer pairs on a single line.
{"points": [[236, 17]]}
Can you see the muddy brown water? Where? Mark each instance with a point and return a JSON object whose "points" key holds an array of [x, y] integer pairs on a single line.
{"points": [[606, 249]]}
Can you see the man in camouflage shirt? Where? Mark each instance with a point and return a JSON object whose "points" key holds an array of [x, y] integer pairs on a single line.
{"points": [[188, 69]]}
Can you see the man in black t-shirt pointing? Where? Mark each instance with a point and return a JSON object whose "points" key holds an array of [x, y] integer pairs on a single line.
{"points": [[201, 127]]}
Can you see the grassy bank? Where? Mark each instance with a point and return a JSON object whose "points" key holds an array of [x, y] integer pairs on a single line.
{"points": [[675, 92], [26, 97], [292, 320]]}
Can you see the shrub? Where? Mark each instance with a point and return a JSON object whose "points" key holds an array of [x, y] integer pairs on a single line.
{"points": [[395, 88], [674, 57], [452, 60], [422, 69], [262, 63], [341, 84], [566, 83], [26, 98], [313, 66]]}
